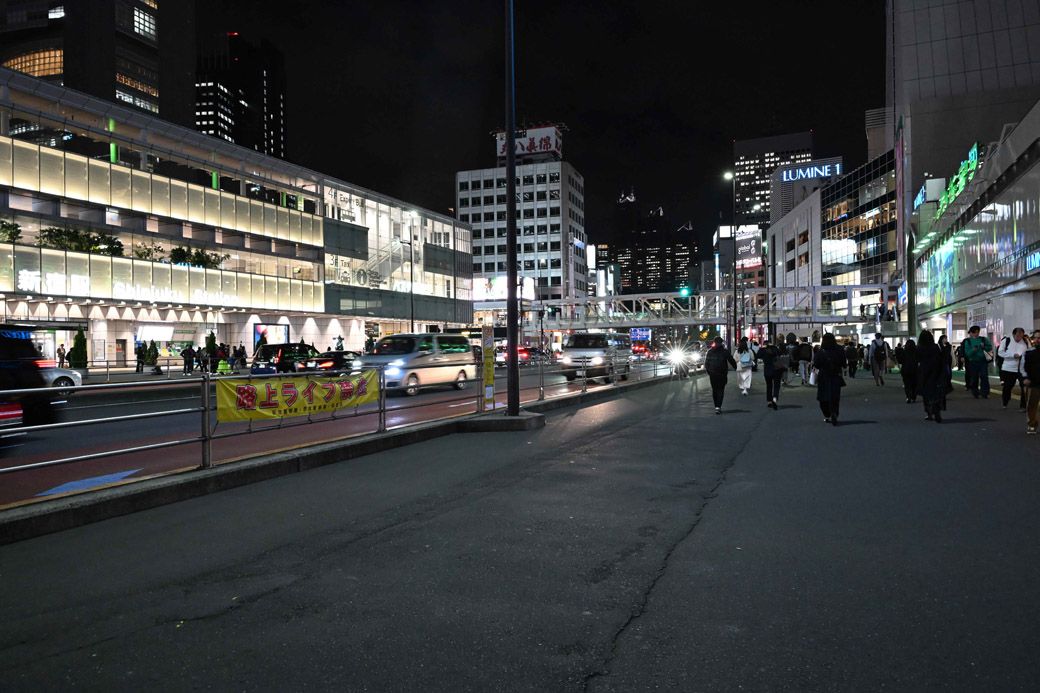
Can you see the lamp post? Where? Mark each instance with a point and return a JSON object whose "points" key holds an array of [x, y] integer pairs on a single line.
{"points": [[411, 269], [729, 175], [512, 309]]}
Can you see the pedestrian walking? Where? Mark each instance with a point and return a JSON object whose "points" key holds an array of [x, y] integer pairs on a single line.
{"points": [[897, 353], [829, 364], [877, 355], [745, 362], [139, 355], [947, 363], [774, 363], [717, 364], [188, 354], [805, 358], [60, 353], [851, 357], [1031, 368], [978, 352], [1009, 361], [959, 353], [931, 378], [908, 370]]}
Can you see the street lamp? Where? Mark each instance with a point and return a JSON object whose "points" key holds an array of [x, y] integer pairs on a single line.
{"points": [[729, 175], [414, 216]]}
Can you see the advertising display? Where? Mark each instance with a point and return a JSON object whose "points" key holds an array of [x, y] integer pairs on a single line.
{"points": [[487, 345], [749, 248], [532, 141], [495, 288], [272, 334], [239, 399], [639, 334]]}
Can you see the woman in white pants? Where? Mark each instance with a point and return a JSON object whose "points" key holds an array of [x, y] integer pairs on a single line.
{"points": [[745, 362]]}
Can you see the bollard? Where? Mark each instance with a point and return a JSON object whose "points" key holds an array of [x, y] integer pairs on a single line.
{"points": [[480, 390], [207, 438], [541, 376], [108, 372], [381, 400], [585, 376]]}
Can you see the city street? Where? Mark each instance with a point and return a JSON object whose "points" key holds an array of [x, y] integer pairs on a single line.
{"points": [[636, 544], [87, 405]]}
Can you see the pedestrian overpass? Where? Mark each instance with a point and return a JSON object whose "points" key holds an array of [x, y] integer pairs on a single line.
{"points": [[807, 305]]}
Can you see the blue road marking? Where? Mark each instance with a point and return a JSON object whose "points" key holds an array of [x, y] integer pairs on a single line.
{"points": [[91, 482]]}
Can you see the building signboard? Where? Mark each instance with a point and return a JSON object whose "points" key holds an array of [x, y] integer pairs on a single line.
{"points": [[791, 175], [487, 345], [959, 181], [749, 248], [495, 288], [532, 141]]}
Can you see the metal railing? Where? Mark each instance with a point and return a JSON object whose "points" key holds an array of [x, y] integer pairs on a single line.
{"points": [[209, 430]]}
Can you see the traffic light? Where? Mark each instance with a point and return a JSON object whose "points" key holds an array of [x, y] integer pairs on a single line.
{"points": [[684, 292]]}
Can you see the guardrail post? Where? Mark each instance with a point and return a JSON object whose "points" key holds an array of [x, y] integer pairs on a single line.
{"points": [[541, 375], [613, 370], [381, 401], [108, 372], [207, 437], [480, 389], [585, 375]]}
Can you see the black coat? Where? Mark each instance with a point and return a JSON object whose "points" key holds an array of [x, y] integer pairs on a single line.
{"points": [[931, 375], [718, 361], [829, 364], [768, 356], [908, 364]]}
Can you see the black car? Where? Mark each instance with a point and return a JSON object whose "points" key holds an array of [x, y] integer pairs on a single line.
{"points": [[282, 358], [332, 361], [20, 366]]}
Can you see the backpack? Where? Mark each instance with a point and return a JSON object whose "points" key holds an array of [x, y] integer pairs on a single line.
{"points": [[1004, 344], [880, 352], [746, 359]]}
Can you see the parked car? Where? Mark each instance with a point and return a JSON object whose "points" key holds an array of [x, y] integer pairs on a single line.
{"points": [[415, 361], [282, 358], [596, 354], [21, 369], [333, 361], [61, 378]]}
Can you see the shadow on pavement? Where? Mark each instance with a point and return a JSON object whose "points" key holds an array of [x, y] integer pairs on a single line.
{"points": [[855, 422], [966, 419]]}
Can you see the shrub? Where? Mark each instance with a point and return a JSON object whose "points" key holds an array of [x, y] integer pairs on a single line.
{"points": [[78, 353]]}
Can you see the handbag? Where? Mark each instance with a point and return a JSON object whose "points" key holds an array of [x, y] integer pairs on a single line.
{"points": [[812, 377]]}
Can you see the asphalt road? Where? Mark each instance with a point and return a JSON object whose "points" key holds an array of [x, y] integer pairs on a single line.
{"points": [[641, 543], [103, 437]]}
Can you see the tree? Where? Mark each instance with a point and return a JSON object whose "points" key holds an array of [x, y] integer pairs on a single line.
{"points": [[105, 244], [78, 353], [200, 258], [151, 356], [65, 239], [10, 232], [149, 251]]}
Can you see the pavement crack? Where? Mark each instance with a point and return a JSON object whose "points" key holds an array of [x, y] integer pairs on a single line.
{"points": [[640, 608]]}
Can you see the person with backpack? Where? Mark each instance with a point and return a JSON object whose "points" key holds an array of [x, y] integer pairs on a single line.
{"points": [[851, 357], [908, 370], [877, 354], [978, 351], [717, 364], [805, 358], [1031, 370], [1009, 362], [829, 364], [745, 363], [774, 363]]}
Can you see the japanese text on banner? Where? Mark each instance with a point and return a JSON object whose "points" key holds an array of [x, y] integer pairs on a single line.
{"points": [[239, 399]]}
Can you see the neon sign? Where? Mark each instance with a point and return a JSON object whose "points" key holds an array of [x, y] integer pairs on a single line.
{"points": [[794, 174], [1033, 261], [959, 181], [921, 198]]}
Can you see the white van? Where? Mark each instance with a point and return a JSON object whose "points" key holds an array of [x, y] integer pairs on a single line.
{"points": [[415, 361], [596, 354]]}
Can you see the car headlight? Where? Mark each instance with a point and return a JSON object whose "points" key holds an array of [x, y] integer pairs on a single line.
{"points": [[596, 360], [697, 356], [566, 360], [396, 362], [393, 370], [676, 356]]}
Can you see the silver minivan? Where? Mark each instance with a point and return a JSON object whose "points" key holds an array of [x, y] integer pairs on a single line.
{"points": [[415, 361], [596, 354]]}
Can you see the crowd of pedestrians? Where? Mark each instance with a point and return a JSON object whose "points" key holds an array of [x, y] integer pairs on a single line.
{"points": [[925, 366], [222, 358]]}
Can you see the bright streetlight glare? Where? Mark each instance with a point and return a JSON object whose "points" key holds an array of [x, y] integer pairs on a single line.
{"points": [[728, 175]]}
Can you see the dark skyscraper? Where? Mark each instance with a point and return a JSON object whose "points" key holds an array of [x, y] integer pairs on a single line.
{"points": [[135, 52], [754, 162], [240, 92]]}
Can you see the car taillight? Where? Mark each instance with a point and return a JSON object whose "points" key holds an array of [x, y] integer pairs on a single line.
{"points": [[46, 363], [326, 364]]}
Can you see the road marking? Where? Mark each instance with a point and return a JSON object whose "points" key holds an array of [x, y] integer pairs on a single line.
{"points": [[90, 482]]}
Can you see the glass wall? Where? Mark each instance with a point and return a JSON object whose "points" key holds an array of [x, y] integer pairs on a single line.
{"points": [[49, 272], [41, 169]]}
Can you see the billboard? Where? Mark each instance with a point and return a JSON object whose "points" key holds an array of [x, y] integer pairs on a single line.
{"points": [[271, 333], [749, 248], [545, 140], [494, 288]]}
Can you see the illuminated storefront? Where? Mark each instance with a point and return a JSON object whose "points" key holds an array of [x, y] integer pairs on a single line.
{"points": [[133, 228]]}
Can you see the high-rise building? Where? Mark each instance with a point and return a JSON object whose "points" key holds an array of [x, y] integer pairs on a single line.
{"points": [[550, 224], [754, 162], [654, 257], [138, 53], [240, 92], [793, 183]]}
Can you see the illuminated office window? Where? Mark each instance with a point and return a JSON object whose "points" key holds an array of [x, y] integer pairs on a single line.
{"points": [[42, 63]]}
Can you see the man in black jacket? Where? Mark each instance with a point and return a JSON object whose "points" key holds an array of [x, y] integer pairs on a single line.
{"points": [[717, 364]]}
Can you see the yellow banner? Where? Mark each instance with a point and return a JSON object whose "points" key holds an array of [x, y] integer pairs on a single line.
{"points": [[239, 399]]}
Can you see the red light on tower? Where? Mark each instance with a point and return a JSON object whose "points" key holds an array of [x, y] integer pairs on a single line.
{"points": [[232, 33]]}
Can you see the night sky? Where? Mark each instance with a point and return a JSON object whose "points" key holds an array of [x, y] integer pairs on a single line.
{"points": [[397, 96]]}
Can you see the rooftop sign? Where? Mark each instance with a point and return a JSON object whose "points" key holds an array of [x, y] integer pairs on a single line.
{"points": [[960, 180], [791, 175]]}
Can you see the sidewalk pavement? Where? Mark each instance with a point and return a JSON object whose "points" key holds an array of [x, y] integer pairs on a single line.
{"points": [[635, 544]]}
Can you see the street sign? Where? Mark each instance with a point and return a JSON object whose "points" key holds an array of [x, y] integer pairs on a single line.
{"points": [[487, 344]]}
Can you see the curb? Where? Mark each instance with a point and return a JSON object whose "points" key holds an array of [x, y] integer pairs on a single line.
{"points": [[56, 515]]}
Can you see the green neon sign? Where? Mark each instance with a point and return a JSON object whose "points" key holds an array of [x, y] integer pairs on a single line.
{"points": [[113, 152], [959, 181], [215, 180]]}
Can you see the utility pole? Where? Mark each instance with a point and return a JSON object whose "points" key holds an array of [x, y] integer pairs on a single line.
{"points": [[512, 311]]}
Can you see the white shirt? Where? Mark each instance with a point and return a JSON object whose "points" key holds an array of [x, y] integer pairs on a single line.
{"points": [[1011, 364]]}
